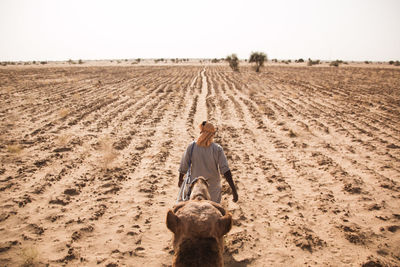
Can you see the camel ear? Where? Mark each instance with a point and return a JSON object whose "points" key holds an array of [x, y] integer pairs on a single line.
{"points": [[224, 224], [218, 207], [172, 221]]}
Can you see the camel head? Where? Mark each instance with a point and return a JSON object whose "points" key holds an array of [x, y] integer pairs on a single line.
{"points": [[199, 189], [198, 227]]}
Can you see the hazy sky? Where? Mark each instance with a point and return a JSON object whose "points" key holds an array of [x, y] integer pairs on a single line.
{"points": [[97, 29]]}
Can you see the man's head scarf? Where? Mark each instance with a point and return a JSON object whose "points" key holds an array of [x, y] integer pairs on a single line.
{"points": [[207, 131]]}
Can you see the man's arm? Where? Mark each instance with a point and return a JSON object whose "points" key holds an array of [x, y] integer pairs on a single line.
{"points": [[180, 179], [228, 177]]}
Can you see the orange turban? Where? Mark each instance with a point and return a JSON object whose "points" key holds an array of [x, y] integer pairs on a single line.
{"points": [[207, 131]]}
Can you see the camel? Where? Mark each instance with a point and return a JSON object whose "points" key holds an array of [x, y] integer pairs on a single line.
{"points": [[198, 225], [199, 189]]}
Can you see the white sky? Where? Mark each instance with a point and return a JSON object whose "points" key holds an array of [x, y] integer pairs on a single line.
{"points": [[286, 29]]}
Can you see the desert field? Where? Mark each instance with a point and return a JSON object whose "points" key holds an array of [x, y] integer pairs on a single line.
{"points": [[90, 157]]}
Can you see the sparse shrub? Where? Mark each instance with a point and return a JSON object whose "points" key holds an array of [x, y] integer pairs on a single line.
{"points": [[215, 60], [395, 63], [138, 60], [80, 61], [29, 257], [63, 113], [76, 96], [14, 149], [158, 60], [43, 62], [71, 61], [299, 60], [258, 58], [233, 62], [108, 154], [5, 63], [313, 62], [334, 63], [275, 60], [337, 62], [63, 140]]}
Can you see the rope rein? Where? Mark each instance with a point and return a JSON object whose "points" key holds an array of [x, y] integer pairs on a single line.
{"points": [[184, 191]]}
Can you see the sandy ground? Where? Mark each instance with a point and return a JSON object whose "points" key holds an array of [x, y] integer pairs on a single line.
{"points": [[89, 159]]}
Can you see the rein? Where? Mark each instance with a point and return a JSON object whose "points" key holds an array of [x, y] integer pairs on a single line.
{"points": [[184, 191]]}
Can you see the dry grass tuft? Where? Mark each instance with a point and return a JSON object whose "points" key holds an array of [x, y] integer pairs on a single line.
{"points": [[12, 119], [76, 96], [29, 257], [63, 140], [108, 153], [8, 89], [63, 113], [14, 149], [86, 151], [131, 92], [29, 100]]}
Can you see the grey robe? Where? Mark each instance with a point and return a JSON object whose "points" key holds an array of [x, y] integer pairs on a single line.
{"points": [[208, 162]]}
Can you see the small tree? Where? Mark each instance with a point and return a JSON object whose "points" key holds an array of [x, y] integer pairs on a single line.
{"points": [[335, 63], [258, 58], [313, 62], [233, 62]]}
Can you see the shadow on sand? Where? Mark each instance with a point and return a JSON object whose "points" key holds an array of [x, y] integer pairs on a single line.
{"points": [[231, 262]]}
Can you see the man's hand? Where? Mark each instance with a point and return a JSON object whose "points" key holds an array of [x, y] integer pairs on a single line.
{"points": [[235, 197], [228, 177], [180, 180]]}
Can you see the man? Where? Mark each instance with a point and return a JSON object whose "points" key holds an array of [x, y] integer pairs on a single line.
{"points": [[208, 160]]}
